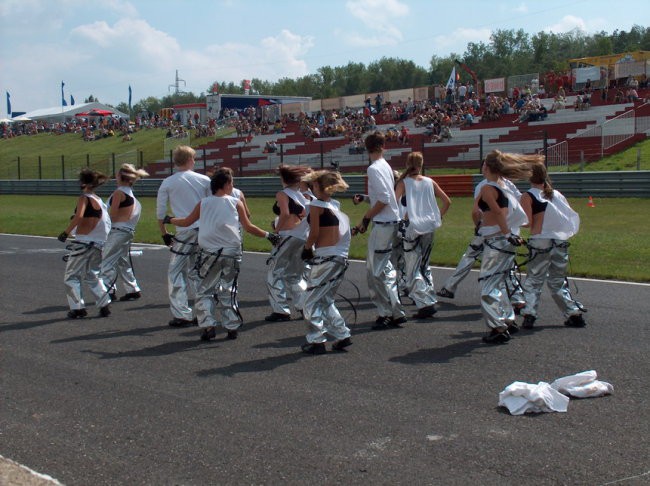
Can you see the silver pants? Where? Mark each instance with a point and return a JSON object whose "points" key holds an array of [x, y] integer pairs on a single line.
{"points": [[473, 252], [325, 277], [83, 267], [284, 279], [218, 279], [419, 285], [382, 277], [496, 263], [549, 260], [116, 262], [182, 278]]}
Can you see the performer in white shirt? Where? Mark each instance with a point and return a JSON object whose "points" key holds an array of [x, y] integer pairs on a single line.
{"points": [[181, 191]]}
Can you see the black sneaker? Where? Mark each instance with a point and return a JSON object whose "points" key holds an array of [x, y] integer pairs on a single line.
{"points": [[208, 333], [77, 313], [314, 348], [382, 322], [496, 337], [113, 296], [177, 322], [425, 312], [104, 311], [232, 334], [341, 344], [529, 321], [397, 322], [277, 317], [575, 320], [443, 292], [130, 296], [513, 328]]}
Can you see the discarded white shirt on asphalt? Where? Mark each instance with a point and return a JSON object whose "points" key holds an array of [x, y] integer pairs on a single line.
{"points": [[583, 385]]}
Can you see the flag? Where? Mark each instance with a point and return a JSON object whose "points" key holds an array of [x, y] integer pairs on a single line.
{"points": [[247, 86], [129, 97], [63, 101], [71, 100], [8, 104], [451, 82]]}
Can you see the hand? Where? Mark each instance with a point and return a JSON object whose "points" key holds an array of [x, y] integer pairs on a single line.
{"points": [[167, 219], [516, 240], [62, 237], [274, 238], [358, 198], [168, 239], [307, 254], [476, 228]]}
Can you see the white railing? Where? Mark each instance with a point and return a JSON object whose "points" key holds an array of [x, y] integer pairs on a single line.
{"points": [[558, 155], [618, 129]]}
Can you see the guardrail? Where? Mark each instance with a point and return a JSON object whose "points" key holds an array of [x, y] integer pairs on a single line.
{"points": [[571, 184]]}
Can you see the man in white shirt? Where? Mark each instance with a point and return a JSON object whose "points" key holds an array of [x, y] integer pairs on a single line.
{"points": [[384, 214], [181, 191]]}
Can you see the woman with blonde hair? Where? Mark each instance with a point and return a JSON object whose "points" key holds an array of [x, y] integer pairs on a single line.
{"points": [[125, 212], [90, 224], [552, 223], [285, 275], [416, 196], [501, 216], [326, 250]]}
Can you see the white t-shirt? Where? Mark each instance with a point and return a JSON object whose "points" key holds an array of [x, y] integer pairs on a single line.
{"points": [[182, 191], [381, 184], [219, 226], [421, 207]]}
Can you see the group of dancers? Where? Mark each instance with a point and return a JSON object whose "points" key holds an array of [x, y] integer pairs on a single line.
{"points": [[311, 238]]}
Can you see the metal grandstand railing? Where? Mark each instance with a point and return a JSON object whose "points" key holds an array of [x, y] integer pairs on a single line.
{"points": [[618, 129], [558, 155]]}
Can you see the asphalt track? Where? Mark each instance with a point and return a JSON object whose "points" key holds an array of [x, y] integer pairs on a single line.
{"points": [[129, 400]]}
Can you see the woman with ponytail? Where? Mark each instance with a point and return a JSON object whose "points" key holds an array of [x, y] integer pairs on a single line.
{"points": [[125, 212], [552, 223], [90, 224], [416, 196], [501, 216]]}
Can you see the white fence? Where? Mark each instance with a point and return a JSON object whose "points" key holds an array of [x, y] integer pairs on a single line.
{"points": [[558, 155], [618, 129]]}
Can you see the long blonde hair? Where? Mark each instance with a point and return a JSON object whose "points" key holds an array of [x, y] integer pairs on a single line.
{"points": [[129, 174], [510, 165], [329, 181], [414, 164]]}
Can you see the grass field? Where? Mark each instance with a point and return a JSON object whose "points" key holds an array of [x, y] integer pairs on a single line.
{"points": [[611, 243]]}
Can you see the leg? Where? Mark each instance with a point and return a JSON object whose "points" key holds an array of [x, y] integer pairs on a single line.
{"points": [[382, 277], [419, 288], [465, 264], [557, 284], [495, 305], [182, 280], [227, 307]]}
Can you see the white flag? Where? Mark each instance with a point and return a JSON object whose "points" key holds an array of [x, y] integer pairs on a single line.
{"points": [[451, 83]]}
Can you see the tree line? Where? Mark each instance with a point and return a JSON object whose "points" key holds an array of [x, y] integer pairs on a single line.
{"points": [[507, 52]]}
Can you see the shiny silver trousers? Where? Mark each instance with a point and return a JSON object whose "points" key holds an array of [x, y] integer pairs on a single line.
{"points": [[549, 261], [116, 262], [419, 285], [325, 277], [473, 252], [381, 275], [216, 293], [182, 278], [285, 277], [82, 267], [496, 263]]}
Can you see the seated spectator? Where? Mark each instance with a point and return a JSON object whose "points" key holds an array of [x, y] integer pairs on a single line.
{"points": [[558, 102], [404, 136], [632, 95]]}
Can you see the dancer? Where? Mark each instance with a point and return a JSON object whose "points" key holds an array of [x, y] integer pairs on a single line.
{"points": [[384, 213], [90, 224], [220, 254], [552, 223], [285, 275], [125, 212], [416, 195], [500, 214], [329, 233], [181, 191]]}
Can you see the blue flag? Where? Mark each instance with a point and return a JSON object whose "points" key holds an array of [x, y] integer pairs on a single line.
{"points": [[71, 100], [8, 104], [129, 97], [63, 101]]}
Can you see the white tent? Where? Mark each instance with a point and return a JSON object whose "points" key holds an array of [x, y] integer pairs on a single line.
{"points": [[59, 113]]}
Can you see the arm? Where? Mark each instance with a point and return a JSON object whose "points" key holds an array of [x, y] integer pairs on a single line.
{"points": [[191, 218], [242, 198], [162, 199], [446, 201], [116, 198], [76, 219], [314, 225], [527, 205], [246, 223], [283, 203]]}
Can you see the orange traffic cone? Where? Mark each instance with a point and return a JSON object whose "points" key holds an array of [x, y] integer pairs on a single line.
{"points": [[591, 204]]}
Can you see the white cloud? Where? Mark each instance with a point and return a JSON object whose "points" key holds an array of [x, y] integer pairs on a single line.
{"points": [[521, 8], [566, 24], [378, 16], [458, 39]]}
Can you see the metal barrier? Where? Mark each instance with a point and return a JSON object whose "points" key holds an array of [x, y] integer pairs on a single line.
{"points": [[618, 129], [572, 184]]}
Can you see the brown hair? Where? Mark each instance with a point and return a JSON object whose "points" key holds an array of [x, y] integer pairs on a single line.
{"points": [[130, 174], [375, 142], [414, 163], [91, 179], [510, 165], [329, 181], [540, 176], [291, 174]]}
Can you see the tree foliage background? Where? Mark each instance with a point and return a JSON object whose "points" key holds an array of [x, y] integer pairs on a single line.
{"points": [[508, 52]]}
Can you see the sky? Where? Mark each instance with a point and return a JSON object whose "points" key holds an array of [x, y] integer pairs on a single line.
{"points": [[101, 48]]}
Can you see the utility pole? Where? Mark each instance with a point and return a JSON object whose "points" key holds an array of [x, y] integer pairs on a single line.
{"points": [[176, 85]]}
